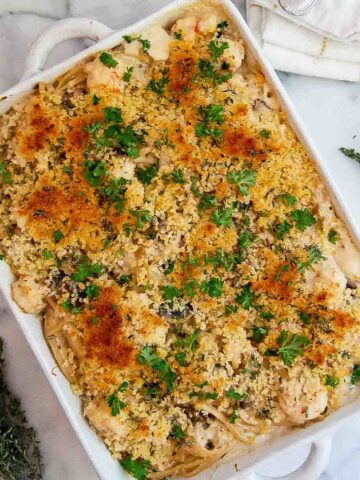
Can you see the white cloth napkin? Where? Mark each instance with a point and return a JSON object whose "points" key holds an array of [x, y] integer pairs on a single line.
{"points": [[325, 42]]}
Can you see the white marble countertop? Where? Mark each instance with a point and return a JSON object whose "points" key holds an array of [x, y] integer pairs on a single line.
{"points": [[331, 112]]}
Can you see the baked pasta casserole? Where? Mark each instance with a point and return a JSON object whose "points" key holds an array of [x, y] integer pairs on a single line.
{"points": [[196, 287]]}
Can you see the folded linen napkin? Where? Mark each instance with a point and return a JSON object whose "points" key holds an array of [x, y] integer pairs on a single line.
{"points": [[325, 42]]}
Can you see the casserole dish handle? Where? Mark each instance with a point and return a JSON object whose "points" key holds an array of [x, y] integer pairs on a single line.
{"points": [[57, 33], [311, 469]]}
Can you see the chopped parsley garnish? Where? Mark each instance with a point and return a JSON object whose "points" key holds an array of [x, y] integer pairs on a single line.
{"points": [[210, 114], [212, 287], [303, 218], [144, 43], [222, 217], [204, 395], [181, 359], [115, 404], [169, 292], [291, 347], [69, 307], [158, 86], [259, 333], [217, 49], [85, 269], [333, 236], [93, 127], [177, 176], [207, 71], [113, 114], [305, 318], [243, 179], [142, 216], [47, 255], [124, 279], [190, 342], [282, 229], [355, 376], [177, 432], [245, 239], [178, 35], [146, 175], [169, 267], [128, 74], [282, 269], [233, 417], [245, 298], [235, 395], [265, 133], [57, 236], [351, 153], [332, 381], [287, 199], [227, 260], [149, 357], [221, 27], [115, 192], [5, 174], [190, 288], [95, 100], [230, 309], [314, 256], [92, 291], [139, 469], [207, 201], [124, 139], [108, 60], [94, 172]]}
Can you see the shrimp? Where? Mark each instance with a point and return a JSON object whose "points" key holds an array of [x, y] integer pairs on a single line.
{"points": [[303, 399], [29, 294]]}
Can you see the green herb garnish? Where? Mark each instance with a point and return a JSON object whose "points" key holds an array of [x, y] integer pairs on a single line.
{"points": [[351, 153], [169, 292], [333, 236], [85, 269], [245, 298], [142, 216], [243, 179], [149, 357], [222, 217], [314, 256], [108, 60], [303, 218], [158, 86], [332, 381], [217, 49], [128, 74], [291, 347], [212, 287], [57, 236], [146, 175], [139, 469]]}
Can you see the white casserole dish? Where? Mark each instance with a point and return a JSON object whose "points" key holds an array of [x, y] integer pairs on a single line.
{"points": [[319, 434]]}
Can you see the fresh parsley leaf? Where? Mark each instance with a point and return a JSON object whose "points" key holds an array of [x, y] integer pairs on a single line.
{"points": [[190, 288], [233, 417], [332, 381], [181, 359], [259, 333], [287, 199], [222, 217], [5, 174], [115, 192], [128, 74], [94, 172], [351, 153], [85, 269], [217, 49], [314, 256], [210, 114], [144, 43], [178, 35], [212, 287], [169, 267], [227, 260], [230, 309], [177, 432], [245, 239], [355, 376], [207, 71], [177, 176], [265, 134], [142, 216], [291, 347], [244, 179], [239, 397], [115, 404], [92, 291], [124, 139], [47, 255], [221, 27], [124, 279], [333, 236], [113, 114], [207, 201], [93, 127], [245, 298], [158, 86], [95, 100], [69, 307], [305, 318], [303, 218], [170, 292], [149, 357], [139, 469], [204, 395], [146, 175], [282, 229], [57, 236], [108, 60]]}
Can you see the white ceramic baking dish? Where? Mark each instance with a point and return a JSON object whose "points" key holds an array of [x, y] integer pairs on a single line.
{"points": [[319, 434]]}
